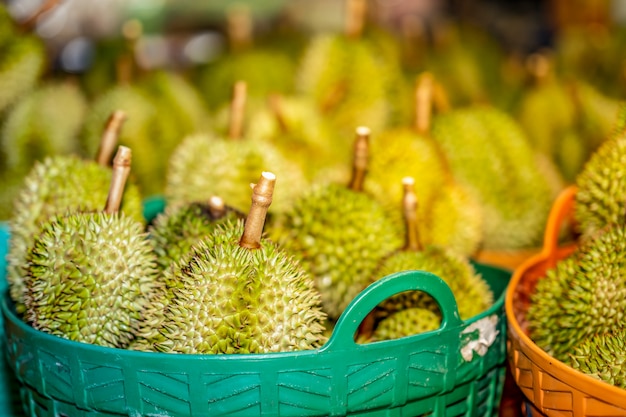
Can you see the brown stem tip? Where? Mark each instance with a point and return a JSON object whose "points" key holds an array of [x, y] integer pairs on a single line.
{"points": [[262, 193], [237, 110], [360, 158], [110, 137], [217, 208], [423, 103], [409, 206], [121, 170]]}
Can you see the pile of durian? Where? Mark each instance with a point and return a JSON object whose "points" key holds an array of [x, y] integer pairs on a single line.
{"points": [[577, 311], [441, 167]]}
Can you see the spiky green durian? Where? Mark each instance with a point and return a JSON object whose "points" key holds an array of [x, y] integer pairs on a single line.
{"points": [[599, 113], [601, 194], [178, 228], [203, 166], [21, 65], [584, 295], [341, 235], [406, 322], [38, 125], [57, 185], [297, 128], [88, 277], [264, 70], [488, 153], [454, 220], [472, 293], [137, 133], [245, 294], [348, 80], [603, 357]]}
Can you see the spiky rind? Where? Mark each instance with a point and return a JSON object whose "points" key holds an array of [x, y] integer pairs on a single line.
{"points": [[583, 296], [177, 229], [57, 185], [37, 126], [341, 236], [223, 298], [471, 291], [22, 64], [406, 322], [603, 357], [489, 154], [601, 194], [203, 166], [88, 277]]}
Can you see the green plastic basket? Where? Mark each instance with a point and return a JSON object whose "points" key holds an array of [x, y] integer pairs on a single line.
{"points": [[457, 370]]}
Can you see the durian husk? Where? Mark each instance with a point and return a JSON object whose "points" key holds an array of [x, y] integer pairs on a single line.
{"points": [[22, 64]]}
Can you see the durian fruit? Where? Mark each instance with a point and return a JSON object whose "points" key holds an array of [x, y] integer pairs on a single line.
{"points": [[488, 153], [235, 292], [265, 69], [88, 275], [60, 185], [340, 234], [348, 76], [22, 64], [471, 291], [138, 133], [38, 126], [582, 296], [297, 128], [178, 228], [406, 322], [451, 216], [204, 165], [603, 357], [601, 189]]}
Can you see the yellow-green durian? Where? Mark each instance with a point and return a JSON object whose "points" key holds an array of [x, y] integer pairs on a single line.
{"points": [[406, 322], [44, 122], [603, 357], [88, 277], [582, 296], [246, 294], [57, 185], [178, 228], [488, 153]]}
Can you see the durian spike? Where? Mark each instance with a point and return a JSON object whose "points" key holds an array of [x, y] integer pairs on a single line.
{"points": [[262, 193], [109, 137], [423, 102], [441, 102], [356, 11], [121, 169], [275, 102], [239, 27], [217, 208], [29, 23], [237, 110], [409, 206], [360, 158]]}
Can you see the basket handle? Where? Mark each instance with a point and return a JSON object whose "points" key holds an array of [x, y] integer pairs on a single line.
{"points": [[561, 211], [380, 290]]}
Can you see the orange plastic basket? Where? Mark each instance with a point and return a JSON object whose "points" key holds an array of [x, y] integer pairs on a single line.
{"points": [[551, 387]]}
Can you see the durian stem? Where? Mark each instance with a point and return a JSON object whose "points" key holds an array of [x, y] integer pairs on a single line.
{"points": [[239, 27], [237, 110], [276, 105], [121, 170], [217, 208], [261, 199], [441, 102], [109, 137], [423, 102], [126, 67], [360, 158], [409, 206], [539, 66], [356, 11]]}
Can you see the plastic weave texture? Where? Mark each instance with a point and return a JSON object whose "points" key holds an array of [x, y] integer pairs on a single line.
{"points": [[551, 387], [457, 370]]}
